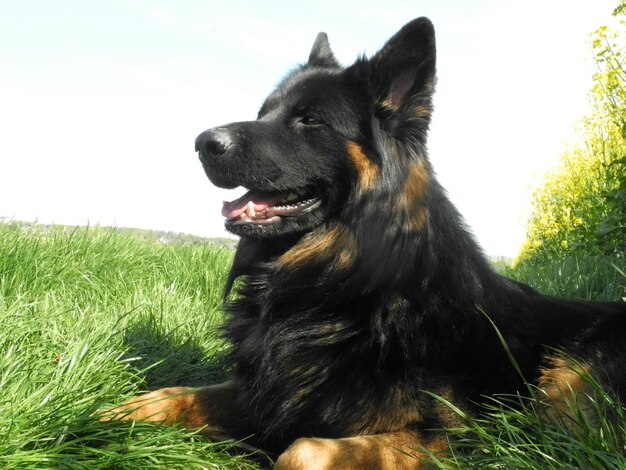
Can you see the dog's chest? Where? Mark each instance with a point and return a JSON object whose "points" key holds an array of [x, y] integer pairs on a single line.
{"points": [[325, 373]]}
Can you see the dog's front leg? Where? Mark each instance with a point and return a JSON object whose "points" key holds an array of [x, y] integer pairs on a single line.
{"points": [[402, 450], [211, 408]]}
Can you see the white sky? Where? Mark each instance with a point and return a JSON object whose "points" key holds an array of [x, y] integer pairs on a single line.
{"points": [[100, 101]]}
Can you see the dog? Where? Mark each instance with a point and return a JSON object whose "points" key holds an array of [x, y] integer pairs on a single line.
{"points": [[361, 295]]}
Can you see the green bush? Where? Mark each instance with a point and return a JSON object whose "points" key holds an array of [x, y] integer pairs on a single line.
{"points": [[581, 207]]}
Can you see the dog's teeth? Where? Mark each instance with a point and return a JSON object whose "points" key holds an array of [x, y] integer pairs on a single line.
{"points": [[250, 212]]}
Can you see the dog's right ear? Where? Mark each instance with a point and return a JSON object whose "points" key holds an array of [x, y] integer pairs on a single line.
{"points": [[321, 55], [404, 69]]}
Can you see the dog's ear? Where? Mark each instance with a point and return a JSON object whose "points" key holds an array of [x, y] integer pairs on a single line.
{"points": [[404, 69], [321, 55]]}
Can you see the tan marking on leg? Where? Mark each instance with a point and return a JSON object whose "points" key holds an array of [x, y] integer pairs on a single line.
{"points": [[166, 405], [368, 171], [212, 408], [564, 390], [402, 450], [411, 201], [327, 243]]}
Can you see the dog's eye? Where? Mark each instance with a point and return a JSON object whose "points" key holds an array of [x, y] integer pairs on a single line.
{"points": [[310, 120]]}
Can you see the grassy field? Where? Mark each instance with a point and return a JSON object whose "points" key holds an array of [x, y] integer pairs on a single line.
{"points": [[92, 316]]}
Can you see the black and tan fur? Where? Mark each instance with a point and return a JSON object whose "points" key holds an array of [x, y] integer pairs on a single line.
{"points": [[347, 313]]}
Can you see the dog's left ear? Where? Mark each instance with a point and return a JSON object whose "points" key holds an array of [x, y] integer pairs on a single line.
{"points": [[321, 55], [405, 67]]}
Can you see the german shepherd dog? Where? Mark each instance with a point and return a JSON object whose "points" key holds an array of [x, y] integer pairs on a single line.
{"points": [[361, 295]]}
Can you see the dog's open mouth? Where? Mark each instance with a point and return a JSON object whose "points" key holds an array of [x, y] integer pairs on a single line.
{"points": [[265, 208]]}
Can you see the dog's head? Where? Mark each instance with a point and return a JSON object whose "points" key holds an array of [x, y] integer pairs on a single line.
{"points": [[328, 139]]}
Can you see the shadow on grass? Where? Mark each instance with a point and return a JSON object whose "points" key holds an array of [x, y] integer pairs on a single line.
{"points": [[169, 357]]}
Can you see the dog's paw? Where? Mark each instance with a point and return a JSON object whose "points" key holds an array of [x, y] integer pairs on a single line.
{"points": [[305, 453], [166, 406], [373, 452]]}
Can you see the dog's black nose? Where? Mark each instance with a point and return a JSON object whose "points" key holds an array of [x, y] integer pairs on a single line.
{"points": [[214, 142]]}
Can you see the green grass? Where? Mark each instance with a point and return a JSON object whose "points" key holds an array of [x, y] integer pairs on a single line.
{"points": [[93, 316], [577, 277], [513, 435]]}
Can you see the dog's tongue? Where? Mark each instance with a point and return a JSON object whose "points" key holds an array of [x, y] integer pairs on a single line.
{"points": [[258, 200]]}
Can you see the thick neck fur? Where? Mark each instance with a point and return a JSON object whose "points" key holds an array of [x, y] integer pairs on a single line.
{"points": [[355, 270], [367, 251]]}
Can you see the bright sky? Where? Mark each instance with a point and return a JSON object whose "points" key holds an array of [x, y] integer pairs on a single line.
{"points": [[100, 101]]}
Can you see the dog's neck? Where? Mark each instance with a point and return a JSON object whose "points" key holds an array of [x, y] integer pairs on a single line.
{"points": [[343, 261]]}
